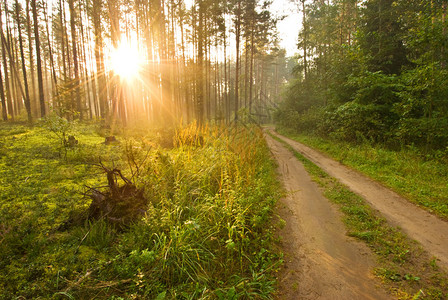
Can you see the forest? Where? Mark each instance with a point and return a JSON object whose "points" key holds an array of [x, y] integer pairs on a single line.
{"points": [[163, 61], [122, 175], [372, 71], [139, 160]]}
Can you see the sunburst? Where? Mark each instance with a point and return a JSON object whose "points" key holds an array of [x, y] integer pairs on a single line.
{"points": [[126, 61]]}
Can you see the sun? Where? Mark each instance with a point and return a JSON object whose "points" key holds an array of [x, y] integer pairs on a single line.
{"points": [[126, 61]]}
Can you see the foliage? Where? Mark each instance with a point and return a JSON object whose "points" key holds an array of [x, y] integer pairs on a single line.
{"points": [[205, 232], [377, 73], [60, 127]]}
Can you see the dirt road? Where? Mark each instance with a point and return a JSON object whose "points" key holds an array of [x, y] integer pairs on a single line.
{"points": [[430, 231], [321, 262]]}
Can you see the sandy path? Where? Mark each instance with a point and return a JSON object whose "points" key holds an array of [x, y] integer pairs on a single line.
{"points": [[321, 262], [430, 231]]}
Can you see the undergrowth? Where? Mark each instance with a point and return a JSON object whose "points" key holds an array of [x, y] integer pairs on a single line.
{"points": [[204, 234], [408, 271], [421, 178]]}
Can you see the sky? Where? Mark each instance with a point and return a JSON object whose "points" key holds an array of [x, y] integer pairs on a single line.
{"points": [[288, 28]]}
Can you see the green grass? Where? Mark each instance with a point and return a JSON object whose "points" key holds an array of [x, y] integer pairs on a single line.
{"points": [[206, 232], [403, 266], [420, 178]]}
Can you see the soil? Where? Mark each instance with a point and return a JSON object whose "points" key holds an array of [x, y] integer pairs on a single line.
{"points": [[429, 230], [321, 262]]}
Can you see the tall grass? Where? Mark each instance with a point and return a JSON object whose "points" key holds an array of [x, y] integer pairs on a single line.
{"points": [[204, 234]]}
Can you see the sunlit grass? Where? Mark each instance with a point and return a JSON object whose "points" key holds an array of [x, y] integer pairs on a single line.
{"points": [[205, 233]]}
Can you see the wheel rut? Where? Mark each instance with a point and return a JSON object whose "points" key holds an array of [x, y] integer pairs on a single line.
{"points": [[429, 230], [321, 261]]}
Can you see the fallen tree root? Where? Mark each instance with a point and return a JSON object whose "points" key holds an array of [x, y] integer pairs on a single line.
{"points": [[119, 205]]}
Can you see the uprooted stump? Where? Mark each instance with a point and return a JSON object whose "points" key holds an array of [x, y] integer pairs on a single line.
{"points": [[119, 204]]}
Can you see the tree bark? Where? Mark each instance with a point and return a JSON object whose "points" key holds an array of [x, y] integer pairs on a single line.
{"points": [[40, 81], [305, 40], [75, 59], [22, 56], [53, 70], [237, 67], [200, 89], [33, 93], [5, 68], [3, 99], [99, 58]]}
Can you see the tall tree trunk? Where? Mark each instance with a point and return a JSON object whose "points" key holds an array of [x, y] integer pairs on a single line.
{"points": [[305, 40], [115, 37], [87, 88], [92, 77], [207, 72], [53, 70], [443, 60], [3, 99], [150, 75], [62, 21], [38, 59], [22, 55], [185, 79], [99, 58], [75, 59], [5, 68], [246, 68], [33, 93], [216, 84], [13, 52], [237, 67], [252, 53], [226, 82], [200, 88]]}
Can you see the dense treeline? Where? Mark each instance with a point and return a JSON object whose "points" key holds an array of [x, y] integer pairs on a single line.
{"points": [[201, 60], [372, 71]]}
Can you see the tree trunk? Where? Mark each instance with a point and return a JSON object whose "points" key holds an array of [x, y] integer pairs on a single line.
{"points": [[99, 58], [40, 81], [305, 40], [53, 70], [200, 88], [226, 87], [237, 37], [75, 59], [33, 93], [252, 53], [3, 99], [22, 55], [115, 95], [62, 20], [5, 68]]}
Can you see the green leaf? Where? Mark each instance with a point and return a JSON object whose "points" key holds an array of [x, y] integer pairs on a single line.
{"points": [[161, 296]]}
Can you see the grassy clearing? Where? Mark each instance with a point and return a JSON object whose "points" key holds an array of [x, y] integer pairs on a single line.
{"points": [[205, 232], [421, 179], [403, 266]]}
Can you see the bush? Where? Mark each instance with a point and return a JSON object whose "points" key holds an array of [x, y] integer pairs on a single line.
{"points": [[355, 122]]}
